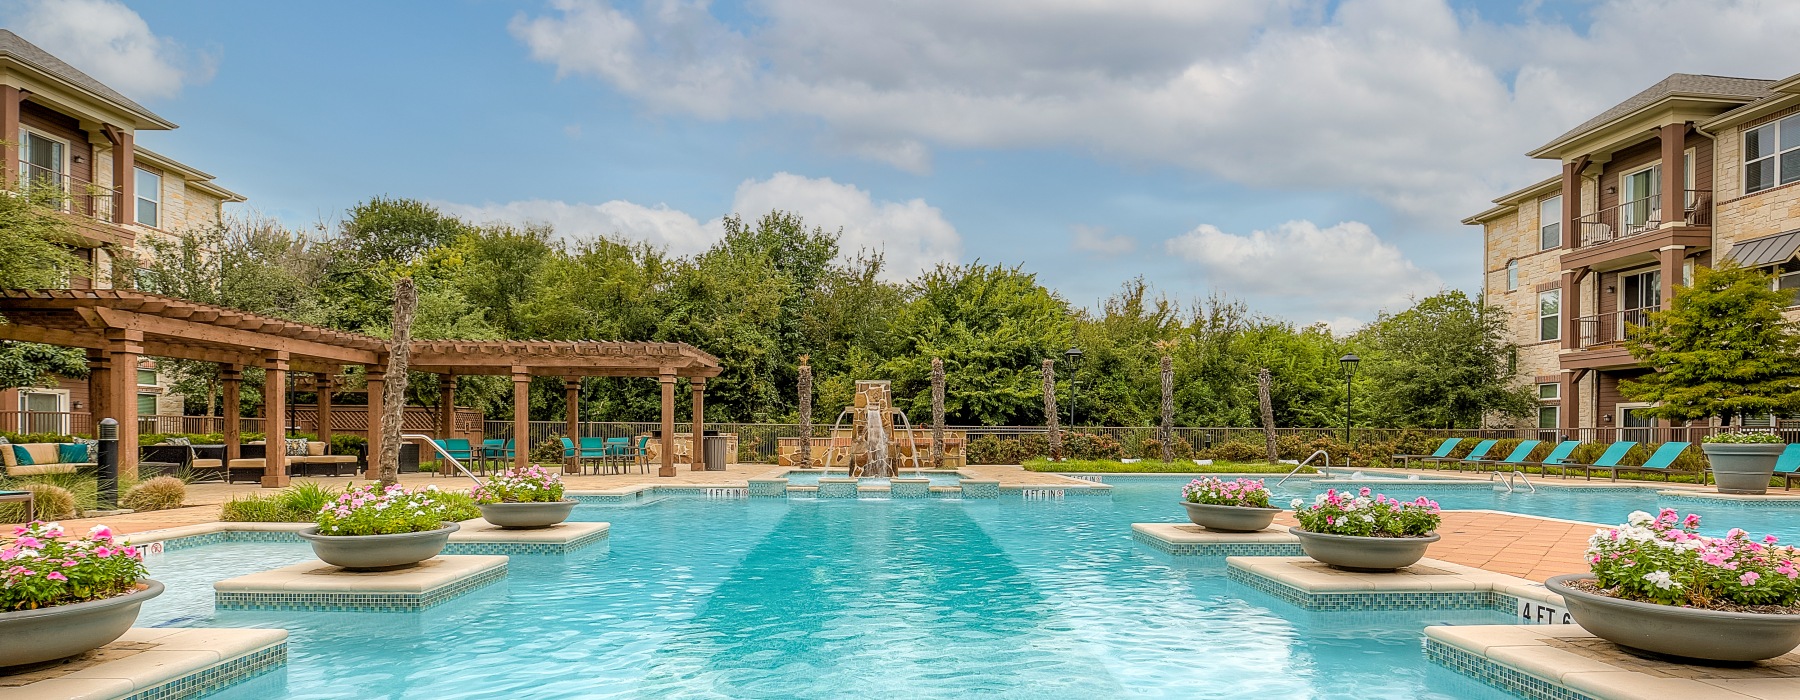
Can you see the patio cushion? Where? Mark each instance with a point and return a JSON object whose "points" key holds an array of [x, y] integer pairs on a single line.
{"points": [[315, 449], [18, 456], [296, 447], [71, 452]]}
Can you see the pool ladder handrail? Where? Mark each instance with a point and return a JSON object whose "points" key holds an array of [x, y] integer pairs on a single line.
{"points": [[439, 449], [1303, 463], [1506, 479]]}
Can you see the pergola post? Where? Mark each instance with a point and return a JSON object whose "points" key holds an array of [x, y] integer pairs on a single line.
{"points": [[446, 406], [668, 424], [377, 387], [275, 372], [326, 383], [521, 415], [231, 377], [125, 346], [99, 377], [697, 451], [572, 414]]}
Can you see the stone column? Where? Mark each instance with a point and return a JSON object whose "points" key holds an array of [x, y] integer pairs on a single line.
{"points": [[698, 451], [275, 370]]}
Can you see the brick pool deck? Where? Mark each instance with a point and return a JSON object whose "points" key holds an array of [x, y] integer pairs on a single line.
{"points": [[1525, 546]]}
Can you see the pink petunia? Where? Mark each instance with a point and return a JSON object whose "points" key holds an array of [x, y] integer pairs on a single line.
{"points": [[1749, 578], [56, 576]]}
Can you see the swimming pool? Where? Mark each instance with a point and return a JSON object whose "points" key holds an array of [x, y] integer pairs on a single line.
{"points": [[824, 598]]}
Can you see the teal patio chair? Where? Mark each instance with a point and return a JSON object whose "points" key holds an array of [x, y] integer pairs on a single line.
{"points": [[1515, 459], [1788, 466], [1608, 459], [1441, 452], [1479, 451], [1558, 457], [1659, 461]]}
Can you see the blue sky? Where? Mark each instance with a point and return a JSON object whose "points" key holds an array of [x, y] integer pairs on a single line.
{"points": [[1312, 158]]}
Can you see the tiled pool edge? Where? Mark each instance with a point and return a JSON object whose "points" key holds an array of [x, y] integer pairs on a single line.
{"points": [[214, 533], [1498, 675], [218, 677], [358, 600]]}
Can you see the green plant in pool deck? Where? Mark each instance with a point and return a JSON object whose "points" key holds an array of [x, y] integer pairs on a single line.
{"points": [[1246, 493], [39, 569], [1366, 515], [533, 484], [1723, 347], [1102, 466], [1743, 439], [372, 510]]}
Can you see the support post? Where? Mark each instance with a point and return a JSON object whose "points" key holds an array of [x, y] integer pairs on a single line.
{"points": [[1674, 174], [521, 416], [231, 378], [668, 425], [275, 370], [446, 406], [327, 383], [125, 347], [99, 378], [1571, 309], [376, 388], [572, 416], [699, 447], [9, 133], [124, 178]]}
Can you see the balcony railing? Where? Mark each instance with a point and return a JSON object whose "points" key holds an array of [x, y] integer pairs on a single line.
{"points": [[1609, 329], [80, 197], [1641, 216]]}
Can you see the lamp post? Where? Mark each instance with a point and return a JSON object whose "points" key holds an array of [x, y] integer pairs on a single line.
{"points": [[1349, 363], [1073, 356]]}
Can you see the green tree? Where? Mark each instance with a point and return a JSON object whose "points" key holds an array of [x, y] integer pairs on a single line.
{"points": [[38, 253], [1722, 348], [1441, 363]]}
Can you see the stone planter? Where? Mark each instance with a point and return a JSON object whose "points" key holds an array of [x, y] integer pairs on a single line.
{"points": [[527, 516], [373, 552], [1230, 518], [1351, 553], [1742, 468], [1688, 633], [32, 636]]}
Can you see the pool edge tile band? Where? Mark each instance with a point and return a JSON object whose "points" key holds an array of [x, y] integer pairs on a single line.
{"points": [[1497, 675], [337, 590]]}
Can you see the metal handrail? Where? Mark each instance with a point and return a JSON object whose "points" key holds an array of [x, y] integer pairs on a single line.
{"points": [[1303, 463], [443, 453], [1506, 479]]}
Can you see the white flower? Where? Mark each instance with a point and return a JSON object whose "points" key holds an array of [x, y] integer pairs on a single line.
{"points": [[1368, 518], [1661, 579], [1298, 502], [1639, 517]]}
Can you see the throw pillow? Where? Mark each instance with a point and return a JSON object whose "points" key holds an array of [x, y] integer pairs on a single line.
{"points": [[4, 441], [93, 449], [22, 456], [71, 453], [179, 441], [296, 447]]}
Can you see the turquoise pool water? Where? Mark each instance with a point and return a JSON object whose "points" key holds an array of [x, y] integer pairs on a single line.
{"points": [[812, 478], [767, 598]]}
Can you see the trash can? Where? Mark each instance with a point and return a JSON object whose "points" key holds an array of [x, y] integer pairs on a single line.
{"points": [[715, 453]]}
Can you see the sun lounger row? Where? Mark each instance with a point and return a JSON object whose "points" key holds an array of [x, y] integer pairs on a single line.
{"points": [[1520, 458]]}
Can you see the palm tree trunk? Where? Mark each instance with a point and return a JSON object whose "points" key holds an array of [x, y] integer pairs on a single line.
{"points": [[804, 458], [1050, 410], [937, 412], [1268, 412], [393, 396], [1168, 409]]}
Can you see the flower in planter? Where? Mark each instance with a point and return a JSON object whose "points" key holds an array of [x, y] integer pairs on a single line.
{"points": [[372, 510], [38, 569], [1743, 439], [532, 484], [1367, 515], [1248, 493], [1662, 559]]}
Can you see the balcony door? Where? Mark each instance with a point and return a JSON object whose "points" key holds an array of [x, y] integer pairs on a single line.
{"points": [[43, 412], [43, 160], [1637, 198], [1639, 294], [1634, 426]]}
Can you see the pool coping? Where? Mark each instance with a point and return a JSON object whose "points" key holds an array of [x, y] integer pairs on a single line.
{"points": [[162, 663], [1566, 662]]}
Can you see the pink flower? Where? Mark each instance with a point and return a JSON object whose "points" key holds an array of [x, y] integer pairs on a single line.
{"points": [[1692, 520], [1749, 578], [101, 533], [29, 542], [56, 576], [1365, 492]]}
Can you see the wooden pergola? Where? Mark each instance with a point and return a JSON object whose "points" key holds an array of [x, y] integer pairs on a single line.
{"points": [[119, 327]]}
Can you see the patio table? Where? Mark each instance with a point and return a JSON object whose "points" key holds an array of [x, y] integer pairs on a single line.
{"points": [[22, 497]]}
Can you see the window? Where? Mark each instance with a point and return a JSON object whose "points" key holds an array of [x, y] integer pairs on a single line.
{"points": [[1772, 155], [1639, 295], [1638, 194], [1549, 391], [1634, 425], [1512, 275], [149, 197], [43, 161], [1550, 223], [1787, 279], [1550, 314], [146, 377], [146, 404], [1547, 417]]}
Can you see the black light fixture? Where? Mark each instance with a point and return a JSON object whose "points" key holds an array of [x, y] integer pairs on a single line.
{"points": [[1349, 364], [1073, 355]]}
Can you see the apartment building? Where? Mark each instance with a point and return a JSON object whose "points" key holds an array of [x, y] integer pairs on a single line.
{"points": [[1695, 169], [64, 129]]}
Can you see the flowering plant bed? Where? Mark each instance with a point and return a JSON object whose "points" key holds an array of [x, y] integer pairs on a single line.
{"points": [[532, 484], [1247, 493], [1365, 515], [1659, 586], [1743, 439], [39, 570], [372, 510]]}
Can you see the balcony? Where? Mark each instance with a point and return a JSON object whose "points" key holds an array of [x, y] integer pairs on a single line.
{"points": [[1631, 233], [87, 205], [1600, 339]]}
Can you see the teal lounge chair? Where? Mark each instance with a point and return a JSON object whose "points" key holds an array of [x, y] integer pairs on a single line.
{"points": [[1558, 457], [1515, 459], [1608, 460], [1788, 466], [1441, 452], [1479, 451], [1659, 461]]}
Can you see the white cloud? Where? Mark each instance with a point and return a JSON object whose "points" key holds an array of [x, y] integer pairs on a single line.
{"points": [[912, 234], [110, 42], [1094, 239], [1403, 101], [1341, 271]]}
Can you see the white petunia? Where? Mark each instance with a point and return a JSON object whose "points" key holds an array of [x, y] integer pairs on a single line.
{"points": [[1661, 580]]}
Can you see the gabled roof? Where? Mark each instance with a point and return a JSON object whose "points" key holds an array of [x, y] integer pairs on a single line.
{"points": [[1742, 90], [1768, 250], [15, 47]]}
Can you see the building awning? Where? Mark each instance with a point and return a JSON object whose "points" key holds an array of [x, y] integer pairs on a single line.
{"points": [[1768, 250]]}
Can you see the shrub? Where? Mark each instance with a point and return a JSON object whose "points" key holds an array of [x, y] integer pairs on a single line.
{"points": [[1363, 515], [372, 510], [254, 508], [347, 444], [22, 438], [160, 493], [305, 498], [1247, 493], [1662, 560], [1744, 438], [1234, 451], [1086, 446], [549, 450], [44, 571], [533, 484], [51, 501]]}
